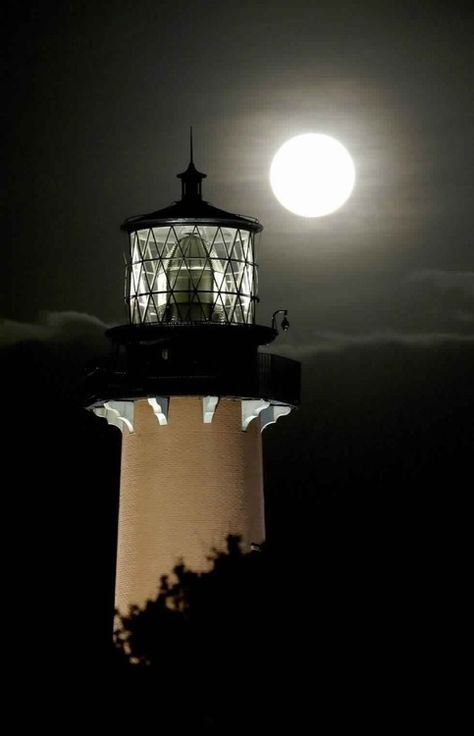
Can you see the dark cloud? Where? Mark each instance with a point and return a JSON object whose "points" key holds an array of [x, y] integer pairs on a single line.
{"points": [[459, 281], [55, 327], [333, 342], [49, 358]]}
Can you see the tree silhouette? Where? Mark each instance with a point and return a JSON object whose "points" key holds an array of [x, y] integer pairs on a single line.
{"points": [[239, 643], [266, 639], [190, 613]]}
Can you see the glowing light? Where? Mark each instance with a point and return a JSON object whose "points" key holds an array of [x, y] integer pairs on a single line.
{"points": [[312, 175]]}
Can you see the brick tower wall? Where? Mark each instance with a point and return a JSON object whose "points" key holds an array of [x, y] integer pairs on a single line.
{"points": [[184, 487]]}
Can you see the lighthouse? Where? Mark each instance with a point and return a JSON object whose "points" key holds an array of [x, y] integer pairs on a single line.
{"points": [[191, 390]]}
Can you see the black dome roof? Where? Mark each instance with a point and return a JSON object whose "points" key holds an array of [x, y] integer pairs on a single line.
{"points": [[196, 211], [191, 207]]}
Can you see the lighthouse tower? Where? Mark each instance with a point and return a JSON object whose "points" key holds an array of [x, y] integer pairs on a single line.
{"points": [[186, 384]]}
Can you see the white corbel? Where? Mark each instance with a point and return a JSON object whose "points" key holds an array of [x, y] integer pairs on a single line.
{"points": [[209, 404], [160, 405], [251, 408], [272, 413], [118, 414]]}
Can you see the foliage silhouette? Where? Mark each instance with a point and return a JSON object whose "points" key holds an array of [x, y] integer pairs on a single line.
{"points": [[187, 613], [196, 641], [253, 640]]}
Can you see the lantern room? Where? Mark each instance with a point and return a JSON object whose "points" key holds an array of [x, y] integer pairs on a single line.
{"points": [[191, 262]]}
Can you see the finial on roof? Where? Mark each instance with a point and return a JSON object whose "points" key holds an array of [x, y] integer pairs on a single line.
{"points": [[191, 178]]}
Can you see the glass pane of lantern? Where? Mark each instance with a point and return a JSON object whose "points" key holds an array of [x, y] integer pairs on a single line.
{"points": [[191, 272]]}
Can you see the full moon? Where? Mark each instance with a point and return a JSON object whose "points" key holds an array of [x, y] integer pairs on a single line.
{"points": [[312, 175]]}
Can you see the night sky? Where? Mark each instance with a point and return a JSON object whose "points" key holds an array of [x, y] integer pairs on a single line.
{"points": [[99, 100]]}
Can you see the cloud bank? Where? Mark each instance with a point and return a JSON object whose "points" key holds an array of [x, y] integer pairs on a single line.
{"points": [[51, 356], [55, 327], [335, 342], [462, 281]]}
